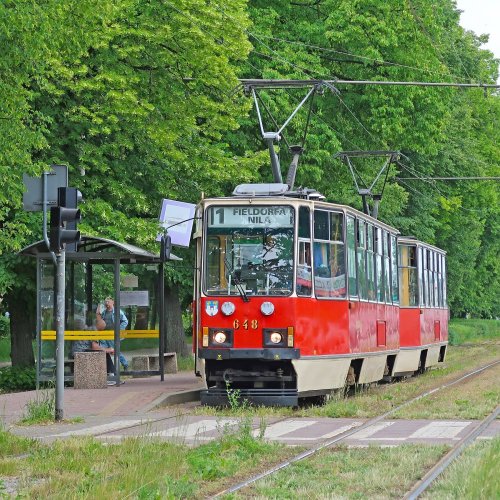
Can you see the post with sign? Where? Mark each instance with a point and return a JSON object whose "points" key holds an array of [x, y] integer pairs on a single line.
{"points": [[176, 218]]}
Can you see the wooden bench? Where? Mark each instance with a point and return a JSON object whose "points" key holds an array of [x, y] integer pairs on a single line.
{"points": [[151, 362]]}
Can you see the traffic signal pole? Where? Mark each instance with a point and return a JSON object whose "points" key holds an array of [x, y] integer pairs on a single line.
{"points": [[59, 324]]}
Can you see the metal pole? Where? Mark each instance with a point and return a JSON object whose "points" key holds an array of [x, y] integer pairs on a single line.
{"points": [[117, 321], [38, 320], [59, 317], [161, 292]]}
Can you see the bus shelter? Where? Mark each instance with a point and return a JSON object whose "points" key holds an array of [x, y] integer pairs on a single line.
{"points": [[100, 268]]}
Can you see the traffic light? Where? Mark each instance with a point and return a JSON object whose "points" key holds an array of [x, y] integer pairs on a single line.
{"points": [[165, 247], [63, 220]]}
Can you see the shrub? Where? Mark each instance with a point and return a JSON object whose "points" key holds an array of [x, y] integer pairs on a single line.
{"points": [[17, 378], [4, 326]]}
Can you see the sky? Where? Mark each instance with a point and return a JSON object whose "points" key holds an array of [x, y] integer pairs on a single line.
{"points": [[482, 16]]}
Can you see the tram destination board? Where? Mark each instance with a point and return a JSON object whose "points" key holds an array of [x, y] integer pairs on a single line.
{"points": [[254, 216]]}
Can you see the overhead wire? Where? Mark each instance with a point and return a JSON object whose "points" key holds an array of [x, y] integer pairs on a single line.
{"points": [[371, 59]]}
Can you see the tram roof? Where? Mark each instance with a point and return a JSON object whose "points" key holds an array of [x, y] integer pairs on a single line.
{"points": [[95, 248], [410, 240], [272, 200]]}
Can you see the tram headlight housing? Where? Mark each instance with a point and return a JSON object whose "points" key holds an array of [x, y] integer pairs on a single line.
{"points": [[228, 308], [267, 308], [275, 337], [220, 337]]}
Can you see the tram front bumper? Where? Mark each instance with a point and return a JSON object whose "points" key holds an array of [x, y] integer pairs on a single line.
{"points": [[268, 354]]}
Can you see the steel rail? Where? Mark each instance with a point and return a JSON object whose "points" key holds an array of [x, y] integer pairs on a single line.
{"points": [[344, 435], [441, 466]]}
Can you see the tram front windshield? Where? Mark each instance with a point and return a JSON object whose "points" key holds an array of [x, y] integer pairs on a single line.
{"points": [[249, 250]]}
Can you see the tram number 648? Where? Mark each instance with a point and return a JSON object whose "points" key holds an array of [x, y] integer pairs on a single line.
{"points": [[246, 324]]}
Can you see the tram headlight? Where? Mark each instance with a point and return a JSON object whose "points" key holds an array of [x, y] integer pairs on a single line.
{"points": [[275, 337], [220, 337]]}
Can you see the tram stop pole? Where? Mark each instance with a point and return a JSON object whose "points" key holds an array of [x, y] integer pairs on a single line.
{"points": [[59, 324]]}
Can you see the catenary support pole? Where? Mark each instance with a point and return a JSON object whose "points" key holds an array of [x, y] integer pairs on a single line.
{"points": [[59, 323]]}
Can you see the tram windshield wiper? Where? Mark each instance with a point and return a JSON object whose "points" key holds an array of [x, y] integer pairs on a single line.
{"points": [[236, 281]]}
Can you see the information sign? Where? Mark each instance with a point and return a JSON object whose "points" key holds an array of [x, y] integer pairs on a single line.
{"points": [[177, 218]]}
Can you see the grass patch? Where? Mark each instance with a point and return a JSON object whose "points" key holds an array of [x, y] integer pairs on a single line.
{"points": [[473, 475], [41, 409], [474, 398], [4, 349], [341, 472], [473, 330], [144, 467], [12, 446]]}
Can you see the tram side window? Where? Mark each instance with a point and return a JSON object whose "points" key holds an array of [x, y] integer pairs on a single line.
{"points": [[394, 270], [420, 267], [408, 275], [439, 281], [426, 278], [304, 270], [329, 258], [387, 267], [430, 301], [379, 270], [436, 279], [445, 298], [361, 255], [370, 262], [351, 257], [213, 262]]}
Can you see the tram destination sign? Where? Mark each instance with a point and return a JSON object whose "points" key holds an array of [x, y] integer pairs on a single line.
{"points": [[252, 216]]}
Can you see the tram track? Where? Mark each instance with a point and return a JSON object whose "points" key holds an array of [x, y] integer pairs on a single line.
{"points": [[429, 478], [339, 438]]}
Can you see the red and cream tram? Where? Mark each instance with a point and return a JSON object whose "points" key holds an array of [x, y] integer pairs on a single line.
{"points": [[295, 297]]}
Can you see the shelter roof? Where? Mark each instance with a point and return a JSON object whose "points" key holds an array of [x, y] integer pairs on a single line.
{"points": [[95, 248]]}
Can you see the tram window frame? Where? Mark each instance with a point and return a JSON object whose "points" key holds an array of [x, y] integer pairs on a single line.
{"points": [[386, 249], [352, 265], [324, 247], [394, 270], [361, 259], [409, 296], [304, 251], [445, 291], [227, 238], [439, 280], [370, 263], [425, 275], [379, 264]]}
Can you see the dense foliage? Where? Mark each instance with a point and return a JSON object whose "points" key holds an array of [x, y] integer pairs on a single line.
{"points": [[137, 99]]}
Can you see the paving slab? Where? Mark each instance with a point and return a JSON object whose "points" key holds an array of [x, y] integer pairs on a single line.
{"points": [[133, 397]]}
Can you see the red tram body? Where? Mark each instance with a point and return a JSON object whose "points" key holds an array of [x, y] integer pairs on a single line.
{"points": [[296, 297]]}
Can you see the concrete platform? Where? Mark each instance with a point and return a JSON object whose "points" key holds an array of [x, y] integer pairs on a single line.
{"points": [[131, 398]]}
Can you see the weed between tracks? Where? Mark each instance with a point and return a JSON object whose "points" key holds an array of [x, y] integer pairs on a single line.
{"points": [[342, 472], [473, 475]]}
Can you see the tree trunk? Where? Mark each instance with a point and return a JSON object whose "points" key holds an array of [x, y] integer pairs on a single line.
{"points": [[175, 338], [22, 327]]}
